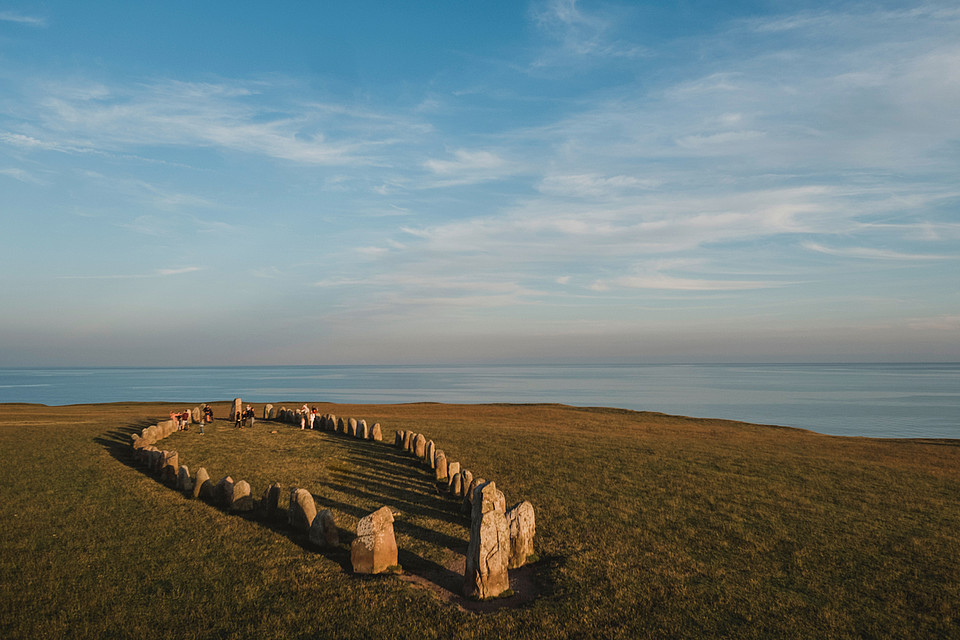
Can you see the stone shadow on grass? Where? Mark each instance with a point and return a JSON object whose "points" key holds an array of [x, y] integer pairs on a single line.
{"points": [[388, 477]]}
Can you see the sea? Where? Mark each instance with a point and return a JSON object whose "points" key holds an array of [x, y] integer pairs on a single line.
{"points": [[871, 400]]}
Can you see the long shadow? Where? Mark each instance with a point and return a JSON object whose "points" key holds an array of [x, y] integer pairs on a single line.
{"points": [[117, 442]]}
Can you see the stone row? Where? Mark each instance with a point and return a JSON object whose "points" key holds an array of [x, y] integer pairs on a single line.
{"points": [[500, 538], [374, 550]]}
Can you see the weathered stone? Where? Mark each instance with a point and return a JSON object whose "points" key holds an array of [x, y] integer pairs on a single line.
{"points": [[235, 408], [323, 531], [489, 549], [522, 526], [332, 423], [341, 426], [440, 465], [456, 485], [420, 446], [429, 453], [270, 500], [268, 412], [242, 500], [398, 438], [466, 479], [223, 492], [376, 433], [195, 415], [453, 468], [202, 487], [302, 509], [184, 481], [468, 495], [352, 427], [375, 548], [169, 467], [363, 431], [407, 437]]}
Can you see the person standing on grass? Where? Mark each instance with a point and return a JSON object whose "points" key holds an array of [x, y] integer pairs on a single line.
{"points": [[248, 416], [313, 416], [207, 414]]}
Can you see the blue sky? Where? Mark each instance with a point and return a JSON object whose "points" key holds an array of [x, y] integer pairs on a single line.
{"points": [[212, 183]]}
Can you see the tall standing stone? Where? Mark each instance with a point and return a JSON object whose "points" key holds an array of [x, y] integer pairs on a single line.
{"points": [[170, 467], [235, 408], [467, 507], [323, 531], [489, 549], [270, 501], [407, 437], [268, 412], [420, 446], [453, 468], [466, 479], [429, 453], [202, 487], [456, 484], [195, 415], [352, 427], [376, 433], [440, 465], [397, 438], [375, 548], [522, 526], [332, 423], [302, 509]]}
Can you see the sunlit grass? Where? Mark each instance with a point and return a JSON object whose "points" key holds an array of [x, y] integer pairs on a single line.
{"points": [[647, 526]]}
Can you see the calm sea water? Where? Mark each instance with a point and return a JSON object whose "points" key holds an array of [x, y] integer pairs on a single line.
{"points": [[878, 400]]}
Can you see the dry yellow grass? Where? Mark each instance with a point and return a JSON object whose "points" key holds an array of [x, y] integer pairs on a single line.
{"points": [[648, 526]]}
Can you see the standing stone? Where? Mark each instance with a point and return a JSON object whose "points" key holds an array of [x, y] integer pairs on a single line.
{"points": [[522, 526], [323, 531], [428, 454], [170, 467], [235, 408], [466, 479], [397, 438], [184, 481], [453, 468], [302, 509], [332, 423], [195, 415], [202, 487], [270, 500], [268, 412], [420, 446], [440, 465], [407, 437], [242, 500], [363, 432], [351, 426], [223, 492], [376, 433], [489, 548], [341, 426], [375, 548], [456, 485], [467, 507]]}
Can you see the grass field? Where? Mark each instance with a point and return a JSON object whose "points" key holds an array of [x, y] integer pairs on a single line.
{"points": [[648, 526]]}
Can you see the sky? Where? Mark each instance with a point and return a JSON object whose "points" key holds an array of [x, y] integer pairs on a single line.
{"points": [[558, 181]]}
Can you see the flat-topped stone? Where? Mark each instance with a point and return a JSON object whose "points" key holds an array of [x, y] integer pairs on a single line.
{"points": [[522, 525], [375, 548]]}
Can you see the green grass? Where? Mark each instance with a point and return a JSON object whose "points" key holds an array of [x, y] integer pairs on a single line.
{"points": [[648, 526]]}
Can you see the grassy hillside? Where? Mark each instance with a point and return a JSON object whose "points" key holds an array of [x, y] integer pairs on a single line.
{"points": [[648, 526]]}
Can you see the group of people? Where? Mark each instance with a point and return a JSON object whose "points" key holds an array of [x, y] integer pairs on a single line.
{"points": [[245, 417], [183, 418], [307, 416]]}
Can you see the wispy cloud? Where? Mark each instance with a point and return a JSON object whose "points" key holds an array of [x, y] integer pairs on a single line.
{"points": [[13, 16], [21, 175], [873, 253], [159, 273]]}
